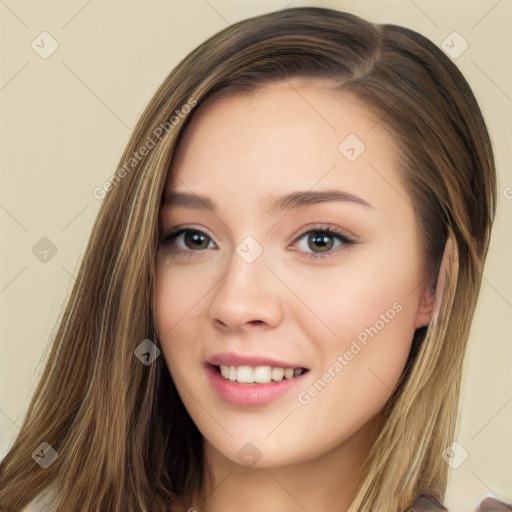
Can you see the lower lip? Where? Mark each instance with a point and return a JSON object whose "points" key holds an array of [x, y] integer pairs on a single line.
{"points": [[249, 394]]}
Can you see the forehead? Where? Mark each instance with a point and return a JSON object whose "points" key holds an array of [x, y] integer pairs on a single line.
{"points": [[283, 136]]}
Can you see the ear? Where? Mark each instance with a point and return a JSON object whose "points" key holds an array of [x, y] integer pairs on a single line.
{"points": [[432, 294], [426, 304]]}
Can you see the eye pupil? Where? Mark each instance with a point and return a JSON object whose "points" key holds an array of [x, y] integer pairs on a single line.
{"points": [[197, 239], [322, 241]]}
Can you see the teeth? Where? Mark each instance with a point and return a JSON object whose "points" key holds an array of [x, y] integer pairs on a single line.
{"points": [[244, 374], [224, 371], [262, 374], [258, 374], [277, 374]]}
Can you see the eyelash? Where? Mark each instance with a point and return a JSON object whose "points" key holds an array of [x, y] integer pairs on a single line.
{"points": [[174, 233]]}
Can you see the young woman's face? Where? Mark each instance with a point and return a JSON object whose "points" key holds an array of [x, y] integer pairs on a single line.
{"points": [[287, 299]]}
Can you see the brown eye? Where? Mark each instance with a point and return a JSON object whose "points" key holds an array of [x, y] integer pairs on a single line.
{"points": [[195, 240], [320, 240], [188, 239]]}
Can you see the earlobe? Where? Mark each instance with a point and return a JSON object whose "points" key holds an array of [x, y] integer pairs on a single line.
{"points": [[426, 305], [432, 295]]}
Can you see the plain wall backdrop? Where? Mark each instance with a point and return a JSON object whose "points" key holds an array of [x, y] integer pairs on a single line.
{"points": [[67, 112]]}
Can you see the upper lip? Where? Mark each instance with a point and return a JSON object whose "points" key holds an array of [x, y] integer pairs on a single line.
{"points": [[232, 359]]}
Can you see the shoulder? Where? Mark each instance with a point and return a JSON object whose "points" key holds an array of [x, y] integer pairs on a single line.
{"points": [[43, 502]]}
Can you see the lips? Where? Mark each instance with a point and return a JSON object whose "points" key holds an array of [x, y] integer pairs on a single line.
{"points": [[246, 369], [232, 359], [252, 380]]}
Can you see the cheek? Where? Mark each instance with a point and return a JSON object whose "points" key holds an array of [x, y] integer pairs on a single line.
{"points": [[364, 337], [177, 291], [359, 367], [178, 296], [181, 292], [366, 298]]}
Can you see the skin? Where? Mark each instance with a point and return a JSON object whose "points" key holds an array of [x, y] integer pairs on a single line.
{"points": [[238, 151]]}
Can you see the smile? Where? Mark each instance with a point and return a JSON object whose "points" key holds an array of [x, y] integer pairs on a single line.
{"points": [[258, 374], [249, 386]]}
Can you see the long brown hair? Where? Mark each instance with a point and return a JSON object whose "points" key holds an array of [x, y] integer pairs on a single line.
{"points": [[124, 439]]}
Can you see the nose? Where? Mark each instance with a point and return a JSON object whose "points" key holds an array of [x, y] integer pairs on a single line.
{"points": [[246, 298]]}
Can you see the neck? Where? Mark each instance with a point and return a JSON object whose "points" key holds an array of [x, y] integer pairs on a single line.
{"points": [[326, 482]]}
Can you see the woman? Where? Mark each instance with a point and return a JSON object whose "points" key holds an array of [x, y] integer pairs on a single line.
{"points": [[273, 308]]}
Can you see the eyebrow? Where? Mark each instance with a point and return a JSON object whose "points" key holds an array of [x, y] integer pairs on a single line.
{"points": [[294, 200]]}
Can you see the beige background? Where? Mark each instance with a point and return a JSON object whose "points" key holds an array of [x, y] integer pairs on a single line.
{"points": [[66, 118]]}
